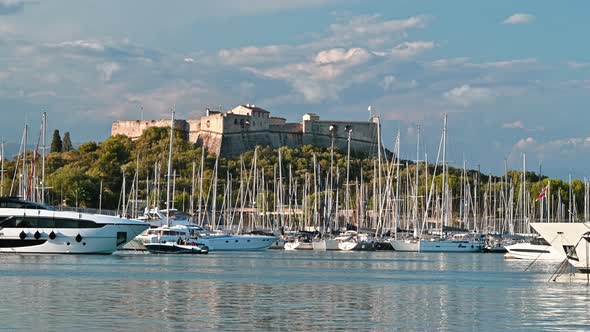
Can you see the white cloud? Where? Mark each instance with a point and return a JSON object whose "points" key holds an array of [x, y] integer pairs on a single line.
{"points": [[373, 31], [519, 18], [391, 83], [525, 143], [466, 95], [253, 55], [92, 45], [107, 70], [340, 55], [514, 125], [189, 60], [408, 50], [507, 64], [442, 64]]}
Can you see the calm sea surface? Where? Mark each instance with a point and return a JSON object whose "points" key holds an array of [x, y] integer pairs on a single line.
{"points": [[288, 291]]}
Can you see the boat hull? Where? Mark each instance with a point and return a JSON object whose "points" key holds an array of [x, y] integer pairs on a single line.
{"points": [[450, 246], [104, 240], [174, 248], [529, 251], [238, 242], [406, 245]]}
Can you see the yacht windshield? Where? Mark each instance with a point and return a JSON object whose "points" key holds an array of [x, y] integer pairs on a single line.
{"points": [[17, 203]]}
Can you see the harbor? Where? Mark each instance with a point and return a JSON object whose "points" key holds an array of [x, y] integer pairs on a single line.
{"points": [[317, 165], [278, 290]]}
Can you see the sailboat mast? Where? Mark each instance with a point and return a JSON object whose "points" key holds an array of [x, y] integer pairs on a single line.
{"points": [[44, 124], [444, 176], [169, 171]]}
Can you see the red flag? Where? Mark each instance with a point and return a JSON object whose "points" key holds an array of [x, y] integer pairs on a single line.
{"points": [[542, 194]]}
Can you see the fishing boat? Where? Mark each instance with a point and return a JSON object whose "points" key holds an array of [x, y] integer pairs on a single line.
{"points": [[29, 227]]}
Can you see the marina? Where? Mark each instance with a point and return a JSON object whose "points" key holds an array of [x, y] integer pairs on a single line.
{"points": [[312, 165]]}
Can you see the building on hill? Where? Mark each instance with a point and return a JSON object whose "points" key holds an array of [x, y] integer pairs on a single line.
{"points": [[244, 127]]}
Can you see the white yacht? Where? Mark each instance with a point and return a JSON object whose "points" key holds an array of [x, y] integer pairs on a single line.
{"points": [[571, 239], [458, 243], [246, 242], [204, 238], [28, 227], [537, 249]]}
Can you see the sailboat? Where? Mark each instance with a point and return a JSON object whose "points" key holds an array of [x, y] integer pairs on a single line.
{"points": [[184, 244], [457, 242]]}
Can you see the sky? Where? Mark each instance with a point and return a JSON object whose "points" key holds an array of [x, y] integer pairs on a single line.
{"points": [[513, 76]]}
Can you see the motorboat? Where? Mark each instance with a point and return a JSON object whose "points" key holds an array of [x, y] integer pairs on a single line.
{"points": [[229, 242], [176, 248], [537, 249], [29, 227]]}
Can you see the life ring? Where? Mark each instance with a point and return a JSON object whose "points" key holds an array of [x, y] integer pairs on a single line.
{"points": [[78, 238]]}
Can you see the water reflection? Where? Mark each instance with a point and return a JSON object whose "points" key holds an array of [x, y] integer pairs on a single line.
{"points": [[287, 291]]}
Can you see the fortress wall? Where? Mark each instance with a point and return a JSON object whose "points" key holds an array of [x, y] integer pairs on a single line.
{"points": [[363, 137], [295, 128], [235, 144], [134, 128], [194, 129]]}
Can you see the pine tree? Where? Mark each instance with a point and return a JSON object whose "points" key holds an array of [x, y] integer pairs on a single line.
{"points": [[67, 142], [56, 144]]}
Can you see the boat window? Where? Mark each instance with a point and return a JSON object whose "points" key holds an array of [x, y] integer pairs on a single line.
{"points": [[121, 238], [540, 241], [47, 222], [16, 203]]}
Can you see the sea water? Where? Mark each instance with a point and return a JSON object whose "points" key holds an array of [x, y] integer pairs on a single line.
{"points": [[287, 291]]}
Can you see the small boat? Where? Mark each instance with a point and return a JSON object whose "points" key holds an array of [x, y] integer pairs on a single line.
{"points": [[176, 248], [495, 248], [301, 241]]}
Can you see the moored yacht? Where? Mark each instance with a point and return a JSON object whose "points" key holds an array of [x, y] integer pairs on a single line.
{"points": [[537, 249], [458, 243], [28, 227], [409, 244]]}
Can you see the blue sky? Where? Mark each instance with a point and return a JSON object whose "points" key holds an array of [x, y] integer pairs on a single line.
{"points": [[514, 76]]}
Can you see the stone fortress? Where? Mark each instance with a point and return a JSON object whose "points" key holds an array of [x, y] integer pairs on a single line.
{"points": [[243, 128]]}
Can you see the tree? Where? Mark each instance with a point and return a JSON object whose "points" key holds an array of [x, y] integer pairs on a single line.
{"points": [[56, 143], [67, 142]]}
